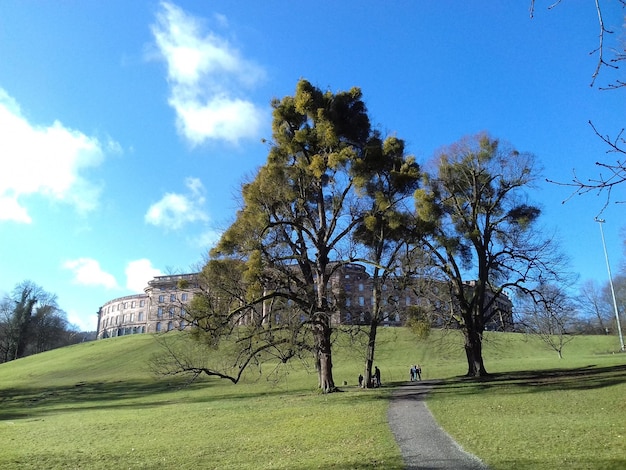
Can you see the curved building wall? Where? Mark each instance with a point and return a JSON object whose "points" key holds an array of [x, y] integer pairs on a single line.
{"points": [[124, 315], [159, 308]]}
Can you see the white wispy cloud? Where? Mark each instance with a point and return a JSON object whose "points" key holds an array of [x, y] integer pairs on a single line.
{"points": [[208, 79], [175, 210], [87, 272], [138, 273], [208, 239], [81, 322], [43, 160]]}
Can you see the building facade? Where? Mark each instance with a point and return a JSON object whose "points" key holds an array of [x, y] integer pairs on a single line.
{"points": [[161, 307]]}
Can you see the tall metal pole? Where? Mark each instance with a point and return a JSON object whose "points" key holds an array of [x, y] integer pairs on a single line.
{"points": [[608, 268]]}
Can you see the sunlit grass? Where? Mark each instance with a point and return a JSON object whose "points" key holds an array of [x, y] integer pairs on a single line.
{"points": [[98, 406], [540, 412]]}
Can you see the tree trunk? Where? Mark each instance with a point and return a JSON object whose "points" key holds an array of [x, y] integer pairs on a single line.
{"points": [[369, 358], [324, 357], [474, 353]]}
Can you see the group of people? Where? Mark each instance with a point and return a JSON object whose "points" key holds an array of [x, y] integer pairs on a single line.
{"points": [[416, 373], [375, 378]]}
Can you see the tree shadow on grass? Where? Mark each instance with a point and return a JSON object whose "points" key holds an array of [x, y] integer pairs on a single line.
{"points": [[33, 402], [531, 381]]}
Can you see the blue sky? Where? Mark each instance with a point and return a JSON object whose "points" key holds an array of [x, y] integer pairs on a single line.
{"points": [[126, 128]]}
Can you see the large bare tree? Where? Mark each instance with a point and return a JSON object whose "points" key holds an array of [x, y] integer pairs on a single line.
{"points": [[483, 234]]}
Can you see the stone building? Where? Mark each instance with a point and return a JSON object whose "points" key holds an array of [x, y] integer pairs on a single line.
{"points": [[158, 309], [161, 307]]}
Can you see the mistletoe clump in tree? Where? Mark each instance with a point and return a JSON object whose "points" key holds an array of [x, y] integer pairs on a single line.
{"points": [[482, 229]]}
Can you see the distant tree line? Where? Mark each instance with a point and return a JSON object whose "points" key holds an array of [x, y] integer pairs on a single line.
{"points": [[561, 314], [31, 322]]}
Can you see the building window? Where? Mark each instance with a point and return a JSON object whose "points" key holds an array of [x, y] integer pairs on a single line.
{"points": [[132, 317], [172, 312], [361, 301], [160, 312], [142, 303], [172, 297], [161, 298], [132, 304], [140, 316], [360, 287], [184, 296], [170, 325], [158, 326]]}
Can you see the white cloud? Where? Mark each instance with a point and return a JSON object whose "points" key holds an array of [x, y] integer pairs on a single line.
{"points": [[87, 272], [208, 239], [10, 209], [44, 160], [207, 76], [83, 324], [174, 211], [138, 273]]}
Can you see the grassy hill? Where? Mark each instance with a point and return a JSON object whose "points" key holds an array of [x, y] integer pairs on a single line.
{"points": [[98, 405]]}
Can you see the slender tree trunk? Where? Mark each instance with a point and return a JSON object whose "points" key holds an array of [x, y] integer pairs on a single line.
{"points": [[369, 358]]}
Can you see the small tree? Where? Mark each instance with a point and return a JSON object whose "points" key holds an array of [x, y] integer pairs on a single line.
{"points": [[550, 314], [388, 180]]}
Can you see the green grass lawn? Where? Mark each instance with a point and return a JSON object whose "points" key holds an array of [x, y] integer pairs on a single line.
{"points": [[97, 405], [540, 412]]}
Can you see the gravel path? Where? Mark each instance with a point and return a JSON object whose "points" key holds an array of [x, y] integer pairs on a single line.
{"points": [[423, 443]]}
